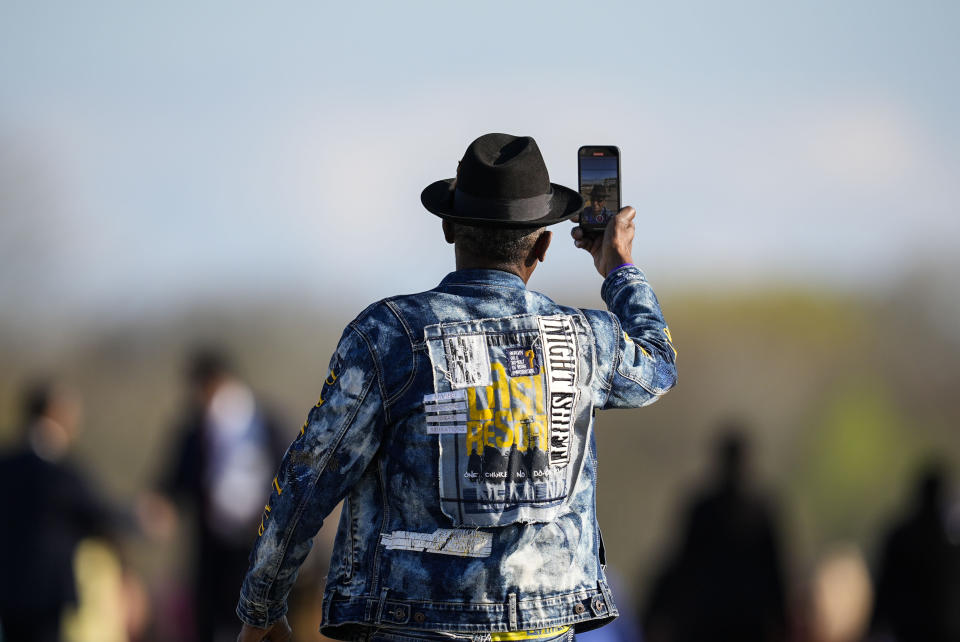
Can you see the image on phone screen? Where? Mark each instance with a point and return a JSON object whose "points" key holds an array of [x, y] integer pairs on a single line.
{"points": [[599, 168]]}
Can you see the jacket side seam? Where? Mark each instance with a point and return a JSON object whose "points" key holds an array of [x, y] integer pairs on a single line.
{"points": [[375, 571]]}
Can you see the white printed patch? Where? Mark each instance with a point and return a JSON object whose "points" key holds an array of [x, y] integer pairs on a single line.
{"points": [[446, 413], [468, 362], [561, 361], [446, 429], [443, 397], [446, 418], [447, 425], [447, 407], [461, 542]]}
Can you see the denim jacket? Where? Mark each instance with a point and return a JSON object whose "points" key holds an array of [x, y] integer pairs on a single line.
{"points": [[457, 426]]}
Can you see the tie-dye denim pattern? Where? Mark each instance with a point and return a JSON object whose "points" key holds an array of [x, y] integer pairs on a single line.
{"points": [[400, 560]]}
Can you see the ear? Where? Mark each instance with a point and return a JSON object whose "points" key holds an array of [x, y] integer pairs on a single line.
{"points": [[448, 231], [541, 245]]}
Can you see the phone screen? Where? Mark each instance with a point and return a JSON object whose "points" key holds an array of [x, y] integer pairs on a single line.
{"points": [[599, 168]]}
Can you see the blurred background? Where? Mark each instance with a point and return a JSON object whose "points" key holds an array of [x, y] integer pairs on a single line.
{"points": [[246, 179]]}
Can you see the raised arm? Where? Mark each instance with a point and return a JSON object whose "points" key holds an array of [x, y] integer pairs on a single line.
{"points": [[640, 360]]}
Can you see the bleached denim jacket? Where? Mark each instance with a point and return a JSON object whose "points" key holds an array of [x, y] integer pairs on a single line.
{"points": [[457, 426]]}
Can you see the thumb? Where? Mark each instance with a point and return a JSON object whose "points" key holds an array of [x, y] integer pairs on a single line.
{"points": [[615, 227]]}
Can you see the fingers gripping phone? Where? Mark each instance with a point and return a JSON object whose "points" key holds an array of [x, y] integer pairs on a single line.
{"points": [[599, 170]]}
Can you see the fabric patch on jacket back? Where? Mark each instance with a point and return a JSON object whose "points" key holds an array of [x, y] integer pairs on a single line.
{"points": [[462, 542], [446, 412], [562, 358], [510, 455], [468, 363], [522, 362]]}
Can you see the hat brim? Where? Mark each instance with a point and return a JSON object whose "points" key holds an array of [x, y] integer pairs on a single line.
{"points": [[563, 205]]}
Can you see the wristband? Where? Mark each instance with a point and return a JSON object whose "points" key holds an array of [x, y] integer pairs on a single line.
{"points": [[620, 266]]}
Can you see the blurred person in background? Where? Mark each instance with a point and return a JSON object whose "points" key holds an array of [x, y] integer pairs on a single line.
{"points": [[726, 583], [226, 450], [49, 507], [918, 580]]}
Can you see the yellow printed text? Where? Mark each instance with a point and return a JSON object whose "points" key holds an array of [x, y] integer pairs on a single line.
{"points": [[510, 413]]}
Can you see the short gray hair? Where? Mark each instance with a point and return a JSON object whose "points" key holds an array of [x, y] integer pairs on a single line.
{"points": [[498, 244]]}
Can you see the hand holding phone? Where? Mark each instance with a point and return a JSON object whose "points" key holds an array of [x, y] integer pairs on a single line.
{"points": [[611, 248], [599, 174]]}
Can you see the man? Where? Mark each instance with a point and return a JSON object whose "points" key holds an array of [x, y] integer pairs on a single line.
{"points": [[227, 450], [918, 580], [597, 212], [457, 423], [51, 508], [725, 582]]}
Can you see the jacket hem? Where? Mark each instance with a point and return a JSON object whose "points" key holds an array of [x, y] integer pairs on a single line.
{"points": [[346, 618]]}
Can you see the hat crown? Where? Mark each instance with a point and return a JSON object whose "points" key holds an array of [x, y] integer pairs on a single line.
{"points": [[503, 166]]}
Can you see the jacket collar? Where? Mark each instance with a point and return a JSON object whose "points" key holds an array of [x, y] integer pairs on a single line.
{"points": [[483, 277]]}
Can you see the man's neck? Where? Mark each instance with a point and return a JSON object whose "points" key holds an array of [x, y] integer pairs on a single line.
{"points": [[466, 263]]}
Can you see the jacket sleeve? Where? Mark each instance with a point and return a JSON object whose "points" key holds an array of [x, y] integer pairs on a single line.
{"points": [[335, 446], [640, 353]]}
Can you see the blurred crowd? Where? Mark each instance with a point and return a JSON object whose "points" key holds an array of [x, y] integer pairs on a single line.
{"points": [[726, 580], [65, 568], [65, 571]]}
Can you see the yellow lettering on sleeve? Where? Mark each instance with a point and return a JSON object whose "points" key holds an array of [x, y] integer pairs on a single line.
{"points": [[666, 331]]}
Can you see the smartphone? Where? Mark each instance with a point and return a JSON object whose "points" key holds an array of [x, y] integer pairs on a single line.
{"points": [[599, 170]]}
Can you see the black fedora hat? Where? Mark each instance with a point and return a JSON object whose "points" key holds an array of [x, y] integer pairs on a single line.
{"points": [[502, 181]]}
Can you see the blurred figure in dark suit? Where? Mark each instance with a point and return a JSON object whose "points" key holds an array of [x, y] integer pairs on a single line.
{"points": [[48, 507], [726, 581], [918, 584], [227, 449]]}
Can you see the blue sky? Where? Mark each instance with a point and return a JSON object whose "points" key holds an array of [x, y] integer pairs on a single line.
{"points": [[154, 154]]}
